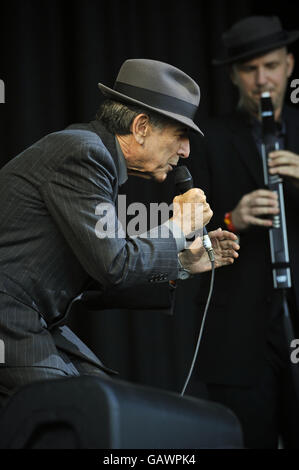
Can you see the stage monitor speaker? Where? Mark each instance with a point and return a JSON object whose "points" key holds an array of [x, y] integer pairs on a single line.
{"points": [[88, 412]]}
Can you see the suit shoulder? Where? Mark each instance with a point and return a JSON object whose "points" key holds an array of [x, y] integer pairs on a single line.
{"points": [[77, 146], [74, 136], [79, 142]]}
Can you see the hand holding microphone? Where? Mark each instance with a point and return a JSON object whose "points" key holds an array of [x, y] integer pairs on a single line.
{"points": [[191, 210], [220, 245]]}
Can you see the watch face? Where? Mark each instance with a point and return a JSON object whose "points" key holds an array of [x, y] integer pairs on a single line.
{"points": [[184, 274]]}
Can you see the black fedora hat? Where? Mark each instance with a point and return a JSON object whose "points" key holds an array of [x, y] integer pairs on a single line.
{"points": [[253, 36], [159, 87]]}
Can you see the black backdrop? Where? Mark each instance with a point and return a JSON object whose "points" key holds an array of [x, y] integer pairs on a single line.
{"points": [[52, 54]]}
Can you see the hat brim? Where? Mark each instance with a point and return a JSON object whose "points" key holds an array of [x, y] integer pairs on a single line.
{"points": [[293, 35], [110, 93]]}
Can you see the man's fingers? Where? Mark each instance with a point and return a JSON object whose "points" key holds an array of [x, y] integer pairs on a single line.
{"points": [[284, 170], [264, 210], [224, 262], [262, 201], [260, 222], [278, 154], [284, 163], [227, 245], [222, 235], [229, 253], [281, 160], [262, 193], [229, 235]]}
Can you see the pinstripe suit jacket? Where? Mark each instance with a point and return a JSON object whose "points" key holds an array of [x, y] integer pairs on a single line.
{"points": [[50, 253]]}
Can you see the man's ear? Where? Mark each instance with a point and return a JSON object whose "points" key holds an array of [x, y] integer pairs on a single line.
{"points": [[232, 74], [140, 128], [290, 63]]}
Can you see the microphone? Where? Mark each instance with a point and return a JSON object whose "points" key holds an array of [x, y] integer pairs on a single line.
{"points": [[183, 182], [278, 232]]}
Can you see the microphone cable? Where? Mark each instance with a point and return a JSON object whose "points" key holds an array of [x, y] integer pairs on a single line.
{"points": [[184, 182], [201, 329]]}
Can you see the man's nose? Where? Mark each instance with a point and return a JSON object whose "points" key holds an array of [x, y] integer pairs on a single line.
{"points": [[184, 150], [261, 76]]}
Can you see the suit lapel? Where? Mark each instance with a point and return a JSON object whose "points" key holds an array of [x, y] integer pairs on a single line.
{"points": [[245, 145]]}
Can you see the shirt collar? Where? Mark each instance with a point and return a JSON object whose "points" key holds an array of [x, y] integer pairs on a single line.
{"points": [[256, 126], [122, 165]]}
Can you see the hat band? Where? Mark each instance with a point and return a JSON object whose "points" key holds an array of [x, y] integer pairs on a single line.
{"points": [[157, 100], [264, 42]]}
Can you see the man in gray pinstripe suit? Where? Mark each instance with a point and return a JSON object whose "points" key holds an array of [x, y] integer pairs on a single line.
{"points": [[50, 251]]}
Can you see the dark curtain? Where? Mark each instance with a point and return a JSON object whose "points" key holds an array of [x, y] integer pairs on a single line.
{"points": [[53, 54]]}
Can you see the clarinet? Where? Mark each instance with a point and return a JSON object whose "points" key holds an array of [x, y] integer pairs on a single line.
{"points": [[278, 232]]}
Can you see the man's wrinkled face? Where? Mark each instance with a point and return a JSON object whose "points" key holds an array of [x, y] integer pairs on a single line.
{"points": [[161, 151], [269, 72]]}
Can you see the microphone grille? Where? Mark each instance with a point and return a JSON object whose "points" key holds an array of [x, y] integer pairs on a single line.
{"points": [[183, 179], [182, 174]]}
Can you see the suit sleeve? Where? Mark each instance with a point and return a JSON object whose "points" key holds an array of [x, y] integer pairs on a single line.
{"points": [[79, 195]]}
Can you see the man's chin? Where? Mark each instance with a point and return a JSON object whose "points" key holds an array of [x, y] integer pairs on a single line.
{"points": [[257, 96], [160, 176]]}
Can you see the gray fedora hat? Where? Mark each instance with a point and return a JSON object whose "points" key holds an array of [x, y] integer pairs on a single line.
{"points": [[254, 36], [159, 87]]}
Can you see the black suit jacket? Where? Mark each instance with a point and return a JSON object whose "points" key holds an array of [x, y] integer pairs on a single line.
{"points": [[226, 165], [51, 255]]}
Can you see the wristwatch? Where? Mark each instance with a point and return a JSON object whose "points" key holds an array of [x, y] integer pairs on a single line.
{"points": [[183, 272]]}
